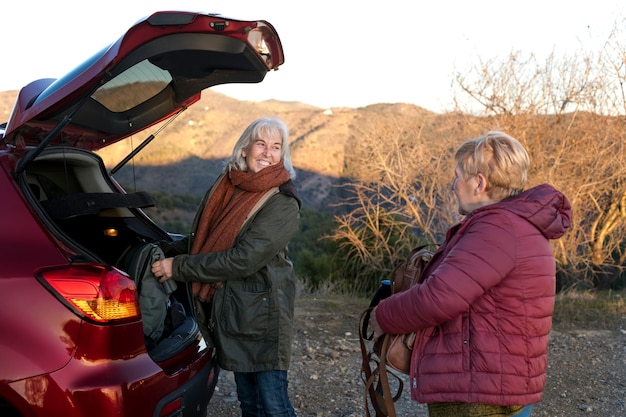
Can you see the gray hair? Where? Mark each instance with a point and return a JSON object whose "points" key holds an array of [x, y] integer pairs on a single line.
{"points": [[254, 130]]}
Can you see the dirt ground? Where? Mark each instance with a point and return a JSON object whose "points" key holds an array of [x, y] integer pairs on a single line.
{"points": [[586, 375]]}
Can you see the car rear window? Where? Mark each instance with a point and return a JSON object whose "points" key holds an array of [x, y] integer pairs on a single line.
{"points": [[132, 87]]}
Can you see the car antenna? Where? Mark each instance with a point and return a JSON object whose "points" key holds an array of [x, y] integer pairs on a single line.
{"points": [[145, 143]]}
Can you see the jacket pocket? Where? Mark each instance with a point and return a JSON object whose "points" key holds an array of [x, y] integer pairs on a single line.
{"points": [[246, 312]]}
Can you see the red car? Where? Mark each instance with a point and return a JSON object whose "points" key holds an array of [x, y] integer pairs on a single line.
{"points": [[73, 340]]}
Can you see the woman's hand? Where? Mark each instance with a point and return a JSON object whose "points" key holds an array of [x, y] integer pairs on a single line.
{"points": [[378, 332], [163, 269]]}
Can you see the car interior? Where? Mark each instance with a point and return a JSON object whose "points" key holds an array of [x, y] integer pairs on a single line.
{"points": [[78, 198]]}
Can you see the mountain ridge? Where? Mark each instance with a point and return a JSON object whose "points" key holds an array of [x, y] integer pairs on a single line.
{"points": [[188, 155]]}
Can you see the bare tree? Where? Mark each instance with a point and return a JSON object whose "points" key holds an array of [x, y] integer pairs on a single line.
{"points": [[565, 112], [399, 198], [569, 113]]}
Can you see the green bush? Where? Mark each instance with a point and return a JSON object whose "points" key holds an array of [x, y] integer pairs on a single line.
{"points": [[310, 251]]}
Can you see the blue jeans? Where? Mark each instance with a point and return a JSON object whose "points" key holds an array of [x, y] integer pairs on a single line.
{"points": [[264, 394]]}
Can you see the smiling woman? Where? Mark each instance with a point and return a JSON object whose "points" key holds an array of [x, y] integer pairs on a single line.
{"points": [[236, 257], [266, 145], [263, 152], [78, 243]]}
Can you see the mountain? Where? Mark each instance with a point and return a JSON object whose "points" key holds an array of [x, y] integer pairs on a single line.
{"points": [[187, 155]]}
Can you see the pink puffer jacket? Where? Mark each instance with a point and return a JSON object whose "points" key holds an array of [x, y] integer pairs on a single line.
{"points": [[484, 309]]}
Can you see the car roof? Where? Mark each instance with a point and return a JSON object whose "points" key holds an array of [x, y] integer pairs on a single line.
{"points": [[156, 69]]}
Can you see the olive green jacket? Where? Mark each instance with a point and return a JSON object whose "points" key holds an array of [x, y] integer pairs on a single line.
{"points": [[250, 319]]}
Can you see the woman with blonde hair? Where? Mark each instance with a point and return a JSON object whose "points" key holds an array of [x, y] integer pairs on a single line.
{"points": [[483, 307]]}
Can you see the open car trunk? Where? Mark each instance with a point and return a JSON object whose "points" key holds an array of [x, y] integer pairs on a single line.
{"points": [[98, 222], [153, 72]]}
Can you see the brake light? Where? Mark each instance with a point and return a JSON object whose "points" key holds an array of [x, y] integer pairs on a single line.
{"points": [[101, 294], [264, 41]]}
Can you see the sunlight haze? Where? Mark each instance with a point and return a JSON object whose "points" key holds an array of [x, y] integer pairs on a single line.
{"points": [[337, 53]]}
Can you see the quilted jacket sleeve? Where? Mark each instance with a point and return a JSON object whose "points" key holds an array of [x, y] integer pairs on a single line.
{"points": [[478, 257]]}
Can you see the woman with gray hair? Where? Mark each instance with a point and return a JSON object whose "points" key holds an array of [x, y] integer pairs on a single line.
{"points": [[236, 259], [483, 306]]}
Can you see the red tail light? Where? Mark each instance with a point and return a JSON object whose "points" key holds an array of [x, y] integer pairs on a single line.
{"points": [[101, 294], [172, 406]]}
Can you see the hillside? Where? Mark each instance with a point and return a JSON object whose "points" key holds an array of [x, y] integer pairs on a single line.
{"points": [[186, 156]]}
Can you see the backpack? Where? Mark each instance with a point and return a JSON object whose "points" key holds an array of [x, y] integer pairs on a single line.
{"points": [[154, 296], [390, 353]]}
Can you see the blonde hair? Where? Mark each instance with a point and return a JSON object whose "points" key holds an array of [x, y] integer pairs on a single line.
{"points": [[502, 159]]}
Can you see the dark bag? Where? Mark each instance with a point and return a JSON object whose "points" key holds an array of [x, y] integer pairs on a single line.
{"points": [[389, 351], [154, 296]]}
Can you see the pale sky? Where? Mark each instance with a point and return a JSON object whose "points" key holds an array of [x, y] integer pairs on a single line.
{"points": [[339, 53]]}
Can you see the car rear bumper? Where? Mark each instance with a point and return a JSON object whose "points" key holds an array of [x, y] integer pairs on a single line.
{"points": [[193, 397], [106, 389]]}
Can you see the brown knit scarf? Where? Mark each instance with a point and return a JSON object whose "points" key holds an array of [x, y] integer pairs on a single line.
{"points": [[226, 210]]}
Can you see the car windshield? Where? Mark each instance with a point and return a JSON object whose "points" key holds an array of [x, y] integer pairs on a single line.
{"points": [[132, 87]]}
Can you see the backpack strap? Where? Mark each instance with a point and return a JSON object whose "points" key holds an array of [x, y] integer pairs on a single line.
{"points": [[268, 194], [376, 371], [376, 376]]}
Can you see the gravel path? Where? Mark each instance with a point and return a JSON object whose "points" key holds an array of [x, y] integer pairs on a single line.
{"points": [[586, 376]]}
